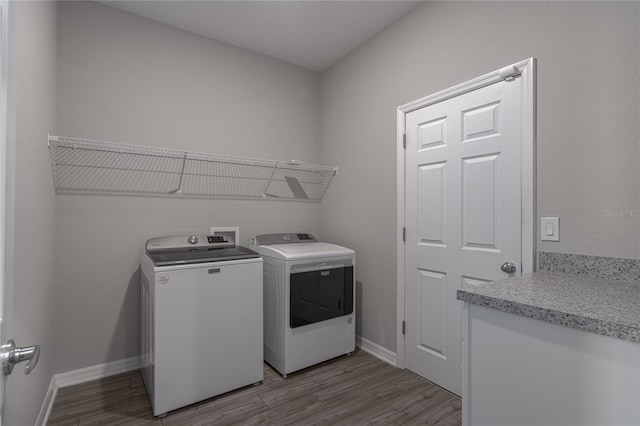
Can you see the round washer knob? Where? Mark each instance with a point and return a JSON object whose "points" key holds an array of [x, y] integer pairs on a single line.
{"points": [[192, 239]]}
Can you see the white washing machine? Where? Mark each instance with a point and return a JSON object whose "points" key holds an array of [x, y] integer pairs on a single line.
{"points": [[309, 300], [201, 319]]}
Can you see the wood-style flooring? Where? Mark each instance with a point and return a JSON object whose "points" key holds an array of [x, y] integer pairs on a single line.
{"points": [[350, 390]]}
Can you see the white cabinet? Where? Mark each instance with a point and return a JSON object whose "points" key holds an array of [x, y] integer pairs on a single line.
{"points": [[523, 371]]}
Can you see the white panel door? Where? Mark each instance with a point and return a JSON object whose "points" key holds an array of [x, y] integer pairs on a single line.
{"points": [[463, 217]]}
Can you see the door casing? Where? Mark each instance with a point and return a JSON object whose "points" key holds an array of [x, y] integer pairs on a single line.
{"points": [[527, 77], [8, 47]]}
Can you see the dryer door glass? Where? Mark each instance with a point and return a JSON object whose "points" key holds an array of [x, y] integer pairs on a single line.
{"points": [[320, 295]]}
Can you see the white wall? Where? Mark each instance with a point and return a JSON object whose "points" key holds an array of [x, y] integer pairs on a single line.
{"points": [[127, 79], [588, 125], [33, 266]]}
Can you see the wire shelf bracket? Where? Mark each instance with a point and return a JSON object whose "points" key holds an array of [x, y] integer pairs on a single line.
{"points": [[91, 167]]}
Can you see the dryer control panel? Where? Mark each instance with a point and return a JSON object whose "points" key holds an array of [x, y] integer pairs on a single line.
{"points": [[284, 238]]}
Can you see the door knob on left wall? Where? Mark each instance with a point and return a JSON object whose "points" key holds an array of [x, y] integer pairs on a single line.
{"points": [[11, 356]]}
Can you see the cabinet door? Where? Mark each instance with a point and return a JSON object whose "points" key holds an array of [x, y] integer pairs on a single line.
{"points": [[522, 371]]}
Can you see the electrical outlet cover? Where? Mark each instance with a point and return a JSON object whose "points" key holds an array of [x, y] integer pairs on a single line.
{"points": [[230, 231]]}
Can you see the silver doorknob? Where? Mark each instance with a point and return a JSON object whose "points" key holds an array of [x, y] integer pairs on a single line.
{"points": [[192, 239], [11, 355], [509, 267]]}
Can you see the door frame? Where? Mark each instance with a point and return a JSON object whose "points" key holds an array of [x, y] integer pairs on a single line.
{"points": [[7, 178], [527, 77]]}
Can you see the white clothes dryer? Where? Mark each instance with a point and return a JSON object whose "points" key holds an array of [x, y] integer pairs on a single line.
{"points": [[309, 300]]}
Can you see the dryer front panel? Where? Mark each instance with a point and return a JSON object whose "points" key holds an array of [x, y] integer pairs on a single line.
{"points": [[320, 295]]}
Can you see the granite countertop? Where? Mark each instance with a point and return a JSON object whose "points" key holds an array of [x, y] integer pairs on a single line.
{"points": [[607, 307]]}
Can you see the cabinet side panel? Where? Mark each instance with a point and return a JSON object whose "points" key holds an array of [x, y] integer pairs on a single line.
{"points": [[542, 373]]}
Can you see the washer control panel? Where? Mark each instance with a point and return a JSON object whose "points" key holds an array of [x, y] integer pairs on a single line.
{"points": [[190, 241], [214, 239]]}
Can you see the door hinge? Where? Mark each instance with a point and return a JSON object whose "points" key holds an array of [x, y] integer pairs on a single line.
{"points": [[509, 73], [403, 327], [404, 235], [404, 140]]}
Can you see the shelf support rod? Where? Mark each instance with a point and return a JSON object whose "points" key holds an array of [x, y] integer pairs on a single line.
{"points": [[273, 172], [184, 163]]}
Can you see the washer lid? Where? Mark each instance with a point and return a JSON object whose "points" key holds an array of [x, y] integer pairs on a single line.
{"points": [[303, 251], [183, 256], [187, 249]]}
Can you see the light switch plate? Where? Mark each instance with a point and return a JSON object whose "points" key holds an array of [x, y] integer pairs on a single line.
{"points": [[550, 228]]}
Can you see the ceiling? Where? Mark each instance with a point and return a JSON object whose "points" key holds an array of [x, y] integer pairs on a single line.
{"points": [[313, 34]]}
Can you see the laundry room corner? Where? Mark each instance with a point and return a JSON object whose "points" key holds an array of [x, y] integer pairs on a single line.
{"points": [[223, 100], [369, 183], [436, 47]]}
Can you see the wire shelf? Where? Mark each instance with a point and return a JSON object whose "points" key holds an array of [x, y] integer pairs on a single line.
{"points": [[82, 166]]}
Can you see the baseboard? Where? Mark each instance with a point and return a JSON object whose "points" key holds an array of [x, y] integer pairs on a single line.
{"points": [[95, 372], [47, 404], [377, 351], [82, 375]]}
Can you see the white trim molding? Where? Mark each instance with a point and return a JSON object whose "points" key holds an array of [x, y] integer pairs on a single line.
{"points": [[82, 375], [47, 404], [376, 350], [96, 372], [526, 70]]}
